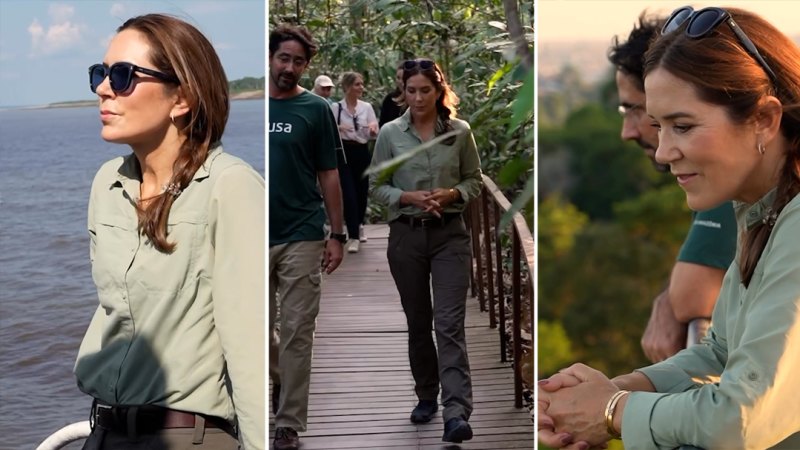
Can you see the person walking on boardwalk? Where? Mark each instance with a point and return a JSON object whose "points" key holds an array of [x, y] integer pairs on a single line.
{"points": [[323, 87], [710, 245], [390, 109], [722, 86], [303, 142], [174, 354], [357, 125], [429, 246]]}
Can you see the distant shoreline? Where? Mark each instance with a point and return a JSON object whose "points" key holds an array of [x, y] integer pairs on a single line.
{"points": [[243, 95]]}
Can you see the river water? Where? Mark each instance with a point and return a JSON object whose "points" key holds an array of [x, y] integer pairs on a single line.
{"points": [[48, 158]]}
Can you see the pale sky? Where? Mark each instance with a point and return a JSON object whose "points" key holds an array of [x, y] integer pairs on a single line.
{"points": [[569, 20], [46, 47]]}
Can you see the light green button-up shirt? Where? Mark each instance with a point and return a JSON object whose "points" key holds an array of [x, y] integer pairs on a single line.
{"points": [[739, 388], [440, 166], [182, 330]]}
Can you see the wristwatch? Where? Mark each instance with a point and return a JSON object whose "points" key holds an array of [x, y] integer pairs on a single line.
{"points": [[341, 237]]}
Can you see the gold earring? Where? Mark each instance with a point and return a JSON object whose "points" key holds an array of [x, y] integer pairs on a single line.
{"points": [[761, 148], [172, 117]]}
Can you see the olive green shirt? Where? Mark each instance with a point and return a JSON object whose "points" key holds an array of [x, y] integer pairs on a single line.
{"points": [[182, 330], [441, 166], [739, 388]]}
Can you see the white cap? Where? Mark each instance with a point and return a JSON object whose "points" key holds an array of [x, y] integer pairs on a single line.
{"points": [[323, 81]]}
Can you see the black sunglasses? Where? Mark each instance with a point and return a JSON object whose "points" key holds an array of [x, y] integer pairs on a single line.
{"points": [[703, 21], [423, 64], [121, 74]]}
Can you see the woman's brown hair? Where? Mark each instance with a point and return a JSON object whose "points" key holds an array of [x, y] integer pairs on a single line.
{"points": [[447, 100], [178, 48], [724, 74]]}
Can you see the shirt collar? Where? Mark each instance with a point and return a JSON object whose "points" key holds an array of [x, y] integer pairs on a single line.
{"points": [[129, 172], [760, 212], [405, 123]]}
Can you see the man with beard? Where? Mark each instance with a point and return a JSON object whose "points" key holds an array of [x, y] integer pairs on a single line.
{"points": [[688, 301], [303, 141]]}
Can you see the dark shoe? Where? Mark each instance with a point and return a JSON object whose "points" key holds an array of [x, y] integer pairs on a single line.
{"points": [[457, 430], [276, 398], [424, 411], [286, 439]]}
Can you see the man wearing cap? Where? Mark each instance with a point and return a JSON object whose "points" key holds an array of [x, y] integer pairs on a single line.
{"points": [[323, 87]]}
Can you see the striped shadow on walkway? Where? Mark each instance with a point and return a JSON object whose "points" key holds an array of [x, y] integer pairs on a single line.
{"points": [[362, 391]]}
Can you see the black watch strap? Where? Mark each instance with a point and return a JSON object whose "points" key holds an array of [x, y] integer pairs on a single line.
{"points": [[341, 237]]}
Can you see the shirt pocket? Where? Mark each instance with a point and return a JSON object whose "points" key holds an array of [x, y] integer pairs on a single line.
{"points": [[169, 272], [116, 241]]}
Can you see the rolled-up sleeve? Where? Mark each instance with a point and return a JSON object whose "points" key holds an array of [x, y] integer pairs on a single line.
{"points": [[237, 222], [470, 168]]}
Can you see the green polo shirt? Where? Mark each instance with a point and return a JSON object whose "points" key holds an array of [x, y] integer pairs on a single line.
{"points": [[183, 330], [441, 166], [303, 140], [712, 238]]}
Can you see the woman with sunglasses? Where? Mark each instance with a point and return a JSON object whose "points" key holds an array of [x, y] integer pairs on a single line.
{"points": [[722, 87], [428, 242], [174, 353], [357, 125]]}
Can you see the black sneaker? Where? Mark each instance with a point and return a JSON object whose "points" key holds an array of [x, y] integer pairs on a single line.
{"points": [[276, 398], [424, 411], [457, 430], [286, 439]]}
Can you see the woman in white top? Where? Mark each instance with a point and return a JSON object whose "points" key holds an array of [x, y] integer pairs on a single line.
{"points": [[357, 125]]}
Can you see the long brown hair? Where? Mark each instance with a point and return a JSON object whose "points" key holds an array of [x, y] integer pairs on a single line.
{"points": [[724, 74], [178, 48]]}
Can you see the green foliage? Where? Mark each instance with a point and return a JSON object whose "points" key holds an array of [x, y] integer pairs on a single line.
{"points": [[559, 223], [592, 140], [552, 340], [246, 84]]}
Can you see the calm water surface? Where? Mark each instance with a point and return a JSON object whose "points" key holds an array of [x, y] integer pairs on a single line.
{"points": [[48, 158]]}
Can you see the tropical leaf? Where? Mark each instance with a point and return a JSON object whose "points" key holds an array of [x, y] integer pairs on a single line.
{"points": [[387, 168]]}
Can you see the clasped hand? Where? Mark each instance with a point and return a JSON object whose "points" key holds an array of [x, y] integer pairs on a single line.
{"points": [[432, 202], [570, 408]]}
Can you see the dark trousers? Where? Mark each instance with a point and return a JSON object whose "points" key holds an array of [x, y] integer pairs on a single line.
{"points": [[438, 257], [355, 187]]}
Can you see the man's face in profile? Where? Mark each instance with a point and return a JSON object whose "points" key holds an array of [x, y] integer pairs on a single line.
{"points": [[636, 125]]}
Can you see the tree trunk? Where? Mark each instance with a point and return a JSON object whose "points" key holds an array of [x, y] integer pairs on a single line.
{"points": [[517, 33], [356, 14]]}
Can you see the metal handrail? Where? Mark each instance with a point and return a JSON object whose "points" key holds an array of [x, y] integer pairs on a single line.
{"points": [[492, 202]]}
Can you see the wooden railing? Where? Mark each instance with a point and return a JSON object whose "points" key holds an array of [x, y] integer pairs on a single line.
{"points": [[483, 219]]}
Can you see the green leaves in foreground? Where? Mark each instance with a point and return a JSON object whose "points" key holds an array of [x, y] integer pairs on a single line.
{"points": [[387, 168], [523, 104]]}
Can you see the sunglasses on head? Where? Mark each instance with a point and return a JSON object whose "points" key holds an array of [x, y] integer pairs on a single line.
{"points": [[702, 22], [120, 75], [423, 64]]}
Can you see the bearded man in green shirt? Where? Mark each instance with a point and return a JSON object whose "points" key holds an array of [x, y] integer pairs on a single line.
{"points": [[303, 141]]}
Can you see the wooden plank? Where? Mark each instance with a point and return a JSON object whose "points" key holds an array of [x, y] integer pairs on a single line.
{"points": [[362, 391]]}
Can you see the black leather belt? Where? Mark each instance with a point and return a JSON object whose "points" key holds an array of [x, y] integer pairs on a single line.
{"points": [[428, 222], [147, 419]]}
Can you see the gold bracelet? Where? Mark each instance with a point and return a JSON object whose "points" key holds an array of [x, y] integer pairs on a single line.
{"points": [[454, 194], [611, 406]]}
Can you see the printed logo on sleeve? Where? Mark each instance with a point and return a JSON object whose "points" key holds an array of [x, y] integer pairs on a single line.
{"points": [[708, 224]]}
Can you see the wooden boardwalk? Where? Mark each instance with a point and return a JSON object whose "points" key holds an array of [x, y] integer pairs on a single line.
{"points": [[362, 391]]}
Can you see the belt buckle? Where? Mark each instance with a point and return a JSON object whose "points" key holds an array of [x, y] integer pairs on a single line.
{"points": [[427, 222], [93, 417]]}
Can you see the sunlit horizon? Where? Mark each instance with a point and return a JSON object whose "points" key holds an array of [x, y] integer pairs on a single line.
{"points": [[590, 20]]}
